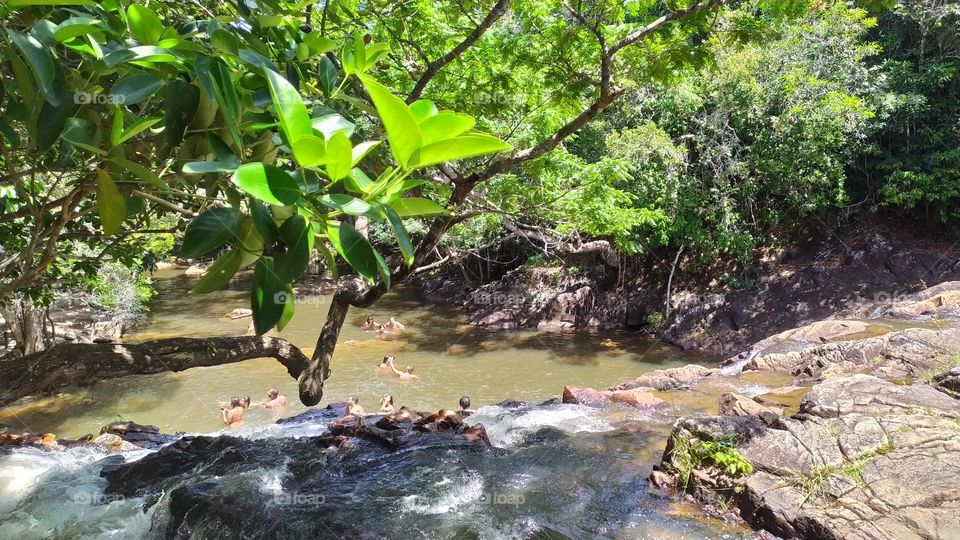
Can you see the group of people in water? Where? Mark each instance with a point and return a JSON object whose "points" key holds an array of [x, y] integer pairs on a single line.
{"points": [[232, 412]]}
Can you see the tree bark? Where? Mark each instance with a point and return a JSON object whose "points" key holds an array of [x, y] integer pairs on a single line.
{"points": [[26, 325], [86, 363]]}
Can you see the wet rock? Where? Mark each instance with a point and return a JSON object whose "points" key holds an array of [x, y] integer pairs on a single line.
{"points": [[143, 436], [732, 404], [582, 395], [238, 313], [196, 269], [905, 354], [668, 379], [864, 458]]}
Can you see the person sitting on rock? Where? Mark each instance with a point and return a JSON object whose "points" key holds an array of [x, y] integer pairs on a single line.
{"points": [[394, 325], [386, 404], [465, 409], [232, 416], [275, 401], [405, 375], [369, 324], [354, 408]]}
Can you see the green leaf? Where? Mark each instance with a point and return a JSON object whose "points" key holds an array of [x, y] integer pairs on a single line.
{"points": [[52, 120], [361, 150], [267, 297], [422, 109], [44, 68], [215, 76], [210, 230], [22, 3], [77, 26], [180, 106], [296, 235], [309, 151], [145, 24], [445, 125], [464, 146], [224, 41], [327, 76], [134, 129], [80, 133], [249, 244], [383, 269], [339, 156], [347, 204], [135, 89], [263, 221], [355, 249], [403, 239], [110, 204], [358, 182], [204, 167], [268, 183], [329, 259], [416, 206], [402, 129], [219, 274], [288, 309], [141, 172], [292, 113], [142, 53], [318, 44], [332, 123]]}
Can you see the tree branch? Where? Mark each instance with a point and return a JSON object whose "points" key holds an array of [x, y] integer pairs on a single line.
{"points": [[498, 10], [660, 22]]}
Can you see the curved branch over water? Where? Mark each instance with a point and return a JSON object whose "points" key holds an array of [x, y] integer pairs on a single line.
{"points": [[86, 363]]}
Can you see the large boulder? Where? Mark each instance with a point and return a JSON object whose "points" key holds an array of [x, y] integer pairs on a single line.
{"points": [[864, 458], [669, 379], [640, 398]]}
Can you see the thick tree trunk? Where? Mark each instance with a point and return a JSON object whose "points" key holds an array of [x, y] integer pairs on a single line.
{"points": [[25, 324], [86, 363]]}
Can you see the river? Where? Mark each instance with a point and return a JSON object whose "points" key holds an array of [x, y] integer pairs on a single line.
{"points": [[583, 477]]}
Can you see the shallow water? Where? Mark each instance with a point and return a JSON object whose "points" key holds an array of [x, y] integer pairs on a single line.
{"points": [[558, 471], [451, 359]]}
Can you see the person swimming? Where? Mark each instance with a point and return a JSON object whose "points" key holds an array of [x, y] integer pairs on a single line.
{"points": [[394, 325], [386, 404], [405, 375], [275, 401], [465, 409], [354, 408], [233, 415], [369, 324], [384, 365]]}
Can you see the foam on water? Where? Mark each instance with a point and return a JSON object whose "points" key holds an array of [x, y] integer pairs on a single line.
{"points": [[753, 390], [507, 427], [446, 495]]}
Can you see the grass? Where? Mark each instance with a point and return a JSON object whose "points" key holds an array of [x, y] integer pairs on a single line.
{"points": [[690, 453], [947, 365], [813, 484]]}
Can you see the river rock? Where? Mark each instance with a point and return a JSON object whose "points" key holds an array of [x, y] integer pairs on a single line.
{"points": [[639, 398], [864, 458], [732, 404], [239, 313], [905, 354], [668, 379], [142, 436]]}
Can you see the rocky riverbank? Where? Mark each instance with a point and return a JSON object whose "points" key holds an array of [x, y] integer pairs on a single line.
{"points": [[725, 313], [872, 451]]}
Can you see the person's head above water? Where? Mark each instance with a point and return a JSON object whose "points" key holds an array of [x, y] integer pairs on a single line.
{"points": [[234, 402], [353, 399], [273, 393], [245, 402], [387, 359], [409, 369], [387, 399], [369, 318], [465, 402]]}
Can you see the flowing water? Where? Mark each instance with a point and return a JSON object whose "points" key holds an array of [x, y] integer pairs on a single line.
{"points": [[557, 471]]}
